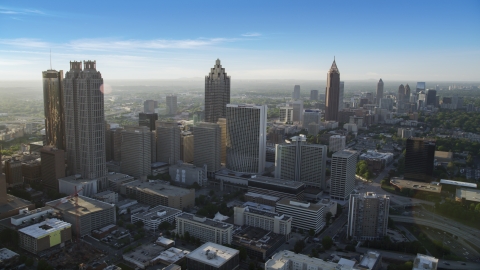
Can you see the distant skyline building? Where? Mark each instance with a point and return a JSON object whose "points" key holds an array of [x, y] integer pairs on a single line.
{"points": [[296, 92], [171, 104], [147, 120], [246, 138], [379, 91], [85, 122], [368, 216], [217, 93], [311, 116], [222, 122], [286, 115], [406, 97], [207, 146], [401, 94], [431, 97], [314, 95], [149, 106], [54, 108], [168, 142], [297, 111], [421, 86], [136, 152], [341, 105], [419, 159], [342, 177], [332, 93]]}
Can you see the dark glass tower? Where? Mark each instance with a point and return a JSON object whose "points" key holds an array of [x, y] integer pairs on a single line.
{"points": [[332, 93], [53, 102], [379, 91], [147, 120], [419, 159], [407, 93], [401, 93], [217, 93], [431, 98]]}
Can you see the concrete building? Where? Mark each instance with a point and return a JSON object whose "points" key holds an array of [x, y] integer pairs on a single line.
{"points": [[302, 162], [276, 187], [264, 219], [341, 104], [70, 184], [136, 152], [405, 133], [171, 105], [288, 260], [212, 256], [31, 171], [296, 92], [8, 259], [261, 199], [304, 215], [217, 93], [332, 93], [342, 179], [44, 235], [246, 138], [386, 103], [149, 106], [85, 123], [13, 172], [424, 262], [156, 216], [115, 180], [187, 174], [168, 142], [297, 106], [90, 214], [54, 108], [222, 122], [376, 161], [372, 260], [313, 94], [311, 116], [186, 146], [207, 146], [160, 193], [258, 243], [52, 166], [286, 115], [336, 143], [379, 91], [147, 120], [419, 159], [9, 204], [107, 196], [205, 229], [368, 216], [114, 144]]}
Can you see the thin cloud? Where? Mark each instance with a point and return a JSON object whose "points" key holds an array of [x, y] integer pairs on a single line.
{"points": [[254, 34], [25, 42], [17, 11]]}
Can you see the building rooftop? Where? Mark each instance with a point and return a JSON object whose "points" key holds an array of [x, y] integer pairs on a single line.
{"points": [[424, 262], [204, 220], [105, 229], [6, 254], [171, 255], [121, 203], [266, 197], [276, 182], [85, 205], [14, 203], [370, 259], [77, 179], [104, 193], [301, 205], [468, 194], [118, 176], [158, 188], [256, 238], [164, 241], [432, 187], [281, 258], [213, 254], [45, 228], [344, 153], [458, 183], [373, 154], [157, 212]]}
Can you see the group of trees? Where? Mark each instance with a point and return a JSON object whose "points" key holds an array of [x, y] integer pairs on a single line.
{"points": [[465, 212], [189, 239], [457, 145], [466, 121], [363, 171], [404, 266]]}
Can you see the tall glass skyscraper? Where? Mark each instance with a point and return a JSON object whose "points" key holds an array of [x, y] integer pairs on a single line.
{"points": [[379, 91], [332, 93], [53, 102], [217, 93]]}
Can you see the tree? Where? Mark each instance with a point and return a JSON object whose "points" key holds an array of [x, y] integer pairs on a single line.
{"points": [[314, 253], [243, 253], [300, 231], [139, 224], [350, 248], [164, 225], [299, 246], [327, 242], [187, 236], [328, 216], [311, 232], [29, 262], [43, 265]]}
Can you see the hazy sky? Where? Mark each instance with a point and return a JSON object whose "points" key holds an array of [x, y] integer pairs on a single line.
{"points": [[394, 40]]}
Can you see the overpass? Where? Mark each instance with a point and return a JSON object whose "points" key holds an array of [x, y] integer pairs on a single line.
{"points": [[466, 233]]}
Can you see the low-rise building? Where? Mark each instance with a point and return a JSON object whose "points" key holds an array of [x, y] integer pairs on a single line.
{"points": [[424, 262], [187, 174], [102, 232], [376, 160], [264, 219], [144, 255], [170, 256], [107, 196], [304, 215], [330, 206], [115, 180], [372, 260], [156, 216], [261, 198], [288, 260], [258, 243], [164, 242], [276, 187], [205, 229], [8, 259], [44, 235], [469, 194], [213, 256]]}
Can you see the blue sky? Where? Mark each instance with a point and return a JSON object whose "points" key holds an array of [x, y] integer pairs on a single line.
{"points": [[394, 40]]}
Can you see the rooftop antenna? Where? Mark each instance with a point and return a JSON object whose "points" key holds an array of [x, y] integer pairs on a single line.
{"points": [[50, 59]]}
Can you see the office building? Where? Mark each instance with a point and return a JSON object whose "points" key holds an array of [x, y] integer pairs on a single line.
{"points": [[386, 103], [212, 256], [311, 116], [147, 120], [401, 94], [296, 92], [222, 122], [276, 187], [217, 93], [431, 98], [156, 216], [9, 259], [379, 91], [297, 106], [289, 260], [207, 146], [52, 166], [149, 106], [84, 214], [31, 171], [332, 93], [286, 115], [424, 262], [53, 103], [421, 87], [302, 162], [313, 94], [188, 174], [341, 105], [159, 193], [246, 138], [205, 229], [376, 161], [259, 244], [13, 172], [336, 143], [406, 97], [342, 177], [304, 215], [114, 144], [171, 105], [116, 180], [368, 216], [85, 122], [136, 151], [260, 218], [107, 196], [419, 159], [168, 142], [44, 235]]}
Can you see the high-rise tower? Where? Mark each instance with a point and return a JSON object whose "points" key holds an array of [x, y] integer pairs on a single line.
{"points": [[342, 179], [332, 93], [217, 93], [401, 93], [419, 159], [171, 104], [296, 92], [407, 93], [340, 96], [53, 102], [85, 122], [379, 91]]}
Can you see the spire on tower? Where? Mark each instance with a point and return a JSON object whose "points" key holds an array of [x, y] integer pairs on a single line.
{"points": [[334, 67], [50, 59]]}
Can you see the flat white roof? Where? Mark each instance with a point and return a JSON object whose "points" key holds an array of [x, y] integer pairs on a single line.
{"points": [[468, 194], [458, 183], [223, 254], [45, 227], [6, 254]]}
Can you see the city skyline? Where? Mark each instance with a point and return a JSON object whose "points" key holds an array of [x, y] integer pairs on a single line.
{"points": [[414, 49]]}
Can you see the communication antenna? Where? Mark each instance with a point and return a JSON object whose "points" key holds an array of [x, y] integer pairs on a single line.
{"points": [[50, 59]]}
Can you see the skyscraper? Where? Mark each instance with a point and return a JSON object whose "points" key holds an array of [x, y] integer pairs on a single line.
{"points": [[368, 216], [171, 104], [217, 93], [207, 146], [168, 142], [297, 111], [311, 116], [222, 122], [431, 97], [313, 94], [419, 159], [149, 106], [85, 122], [300, 161], [53, 166], [53, 102], [332, 93], [136, 152], [147, 120], [406, 98], [296, 92], [246, 138], [342, 180], [379, 91], [401, 94], [340, 96], [421, 86], [286, 115]]}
